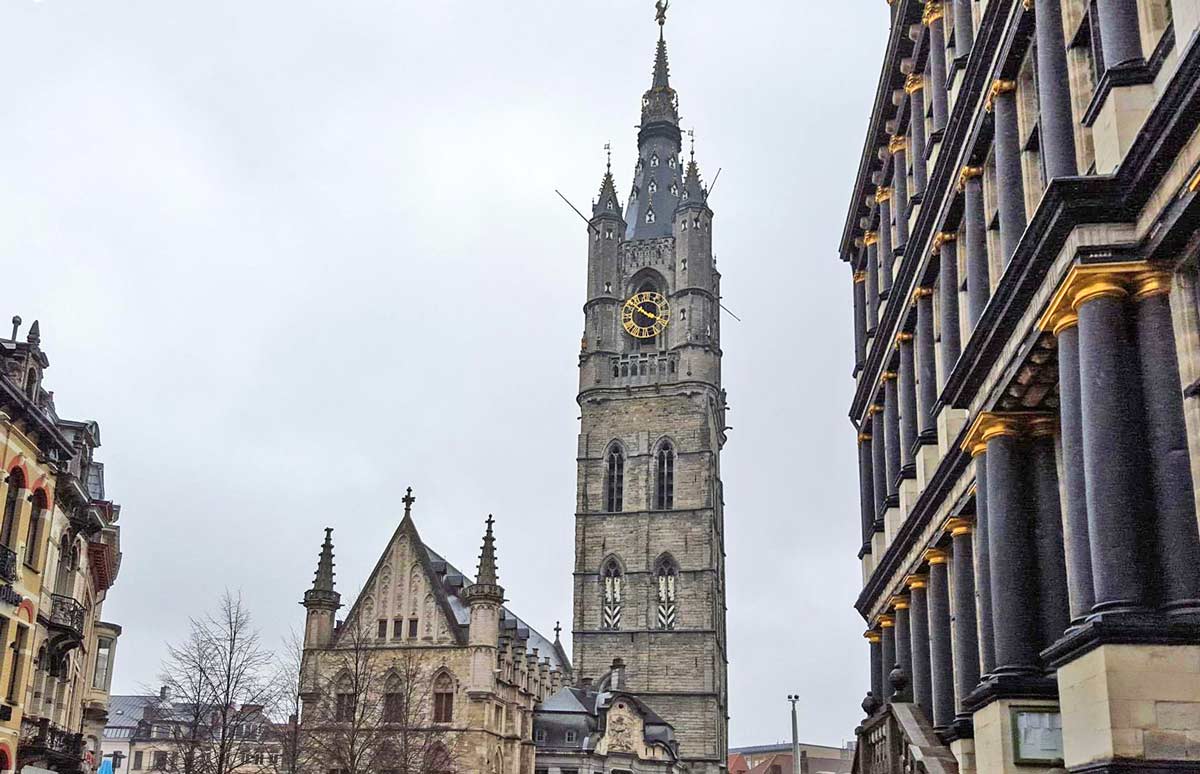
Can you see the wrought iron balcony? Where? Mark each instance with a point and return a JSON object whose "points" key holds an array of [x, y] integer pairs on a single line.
{"points": [[66, 615], [8, 564], [42, 741]]}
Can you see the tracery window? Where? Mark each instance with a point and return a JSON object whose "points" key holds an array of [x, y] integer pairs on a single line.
{"points": [[443, 699], [394, 710], [613, 583], [614, 481], [12, 506], [664, 488], [666, 577]]}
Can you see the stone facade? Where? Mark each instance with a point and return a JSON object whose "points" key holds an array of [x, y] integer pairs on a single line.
{"points": [[649, 536], [59, 555], [465, 666], [1023, 252]]}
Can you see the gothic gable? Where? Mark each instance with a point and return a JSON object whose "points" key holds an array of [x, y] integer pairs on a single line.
{"points": [[406, 599]]}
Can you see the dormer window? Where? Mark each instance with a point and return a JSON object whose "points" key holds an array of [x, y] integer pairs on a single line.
{"points": [[649, 216], [654, 161], [685, 195], [671, 162], [653, 187], [608, 233], [610, 205], [685, 224], [674, 190], [569, 737]]}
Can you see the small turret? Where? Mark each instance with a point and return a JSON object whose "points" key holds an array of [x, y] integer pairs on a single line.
{"points": [[485, 597], [321, 601]]}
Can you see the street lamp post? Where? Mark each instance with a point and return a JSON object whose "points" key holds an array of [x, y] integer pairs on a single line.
{"points": [[795, 739]]}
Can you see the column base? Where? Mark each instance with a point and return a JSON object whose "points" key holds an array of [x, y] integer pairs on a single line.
{"points": [[961, 728], [1142, 628], [1132, 708], [994, 688]]}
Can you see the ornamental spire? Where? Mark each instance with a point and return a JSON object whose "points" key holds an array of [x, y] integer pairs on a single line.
{"points": [[487, 557], [607, 203], [322, 594]]}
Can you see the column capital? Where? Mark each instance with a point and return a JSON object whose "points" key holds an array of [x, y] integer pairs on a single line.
{"points": [[986, 427], [882, 194], [968, 173], [920, 293], [899, 602], [872, 636], [897, 143], [887, 376], [914, 82], [958, 527], [903, 337], [1156, 282], [1085, 282], [999, 86], [886, 621], [917, 581], [933, 12], [943, 237], [864, 437], [874, 409], [859, 277], [1043, 427], [936, 556], [870, 238]]}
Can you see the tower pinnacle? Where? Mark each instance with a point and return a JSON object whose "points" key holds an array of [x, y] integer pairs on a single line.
{"points": [[487, 585], [322, 593]]}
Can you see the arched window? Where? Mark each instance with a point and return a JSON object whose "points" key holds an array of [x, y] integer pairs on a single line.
{"points": [[613, 581], [664, 481], [614, 481], [666, 576], [35, 528], [12, 507], [394, 710], [345, 700], [443, 699]]}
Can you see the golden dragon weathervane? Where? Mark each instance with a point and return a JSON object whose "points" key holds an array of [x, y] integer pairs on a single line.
{"points": [[661, 11]]}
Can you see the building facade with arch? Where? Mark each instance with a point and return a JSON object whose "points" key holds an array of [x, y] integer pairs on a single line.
{"points": [[59, 556]]}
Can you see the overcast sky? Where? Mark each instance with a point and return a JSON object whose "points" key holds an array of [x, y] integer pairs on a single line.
{"points": [[296, 256]]}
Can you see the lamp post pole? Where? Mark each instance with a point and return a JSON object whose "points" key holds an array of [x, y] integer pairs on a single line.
{"points": [[795, 739]]}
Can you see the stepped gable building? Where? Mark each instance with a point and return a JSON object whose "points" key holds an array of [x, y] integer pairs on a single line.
{"points": [[1022, 239], [649, 528], [60, 552], [423, 652]]}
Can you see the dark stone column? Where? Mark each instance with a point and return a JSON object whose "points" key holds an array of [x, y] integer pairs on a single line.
{"points": [[1076, 546], [888, 647], [866, 478], [1113, 458], [878, 460], [937, 64], [887, 257], [876, 643], [903, 636], [966, 635], [871, 240], [914, 85], [1011, 554], [1010, 186], [891, 424], [919, 627], [1167, 445], [908, 403], [941, 662], [964, 31], [860, 319], [948, 298], [1120, 37], [979, 289], [898, 146], [1054, 610], [927, 388], [983, 581], [1056, 124]]}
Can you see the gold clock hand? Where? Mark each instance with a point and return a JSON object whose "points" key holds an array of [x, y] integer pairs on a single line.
{"points": [[651, 315]]}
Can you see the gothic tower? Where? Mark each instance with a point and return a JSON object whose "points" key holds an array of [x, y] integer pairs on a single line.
{"points": [[649, 534]]}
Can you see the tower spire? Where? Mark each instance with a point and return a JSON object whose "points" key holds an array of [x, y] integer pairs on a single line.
{"points": [[487, 585], [322, 593]]}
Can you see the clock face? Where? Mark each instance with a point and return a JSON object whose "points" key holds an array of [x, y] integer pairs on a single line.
{"points": [[646, 314]]}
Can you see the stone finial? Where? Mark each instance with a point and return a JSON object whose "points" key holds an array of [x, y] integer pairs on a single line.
{"points": [[871, 704], [34, 337]]}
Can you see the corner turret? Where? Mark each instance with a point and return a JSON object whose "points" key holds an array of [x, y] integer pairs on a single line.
{"points": [[485, 597]]}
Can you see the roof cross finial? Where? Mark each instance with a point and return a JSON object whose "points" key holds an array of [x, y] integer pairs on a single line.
{"points": [[608, 153], [692, 136], [408, 501], [557, 630]]}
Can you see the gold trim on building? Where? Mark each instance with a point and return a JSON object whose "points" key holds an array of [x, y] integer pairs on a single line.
{"points": [[1085, 282], [943, 237], [916, 581], [999, 86], [898, 143], [882, 194], [872, 636], [968, 173], [957, 527], [936, 556], [886, 621], [989, 425], [859, 277], [887, 376], [870, 238], [899, 602], [1151, 283], [915, 82], [933, 12]]}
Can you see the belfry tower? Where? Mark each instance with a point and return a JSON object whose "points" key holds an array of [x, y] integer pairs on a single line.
{"points": [[649, 534]]}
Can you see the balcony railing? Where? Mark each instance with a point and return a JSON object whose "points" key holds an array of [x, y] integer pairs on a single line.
{"points": [[899, 740], [66, 614], [8, 564], [41, 740]]}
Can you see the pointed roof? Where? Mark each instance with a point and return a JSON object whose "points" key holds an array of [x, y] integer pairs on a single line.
{"points": [[662, 70], [693, 188], [608, 203], [657, 180], [487, 556], [322, 593]]}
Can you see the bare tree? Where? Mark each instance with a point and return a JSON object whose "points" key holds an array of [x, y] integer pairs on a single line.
{"points": [[221, 687], [289, 705], [371, 711]]}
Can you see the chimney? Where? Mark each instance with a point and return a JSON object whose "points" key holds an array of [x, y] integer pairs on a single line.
{"points": [[618, 674], [164, 693], [586, 683]]}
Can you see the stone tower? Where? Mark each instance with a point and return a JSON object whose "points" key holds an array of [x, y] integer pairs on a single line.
{"points": [[649, 535]]}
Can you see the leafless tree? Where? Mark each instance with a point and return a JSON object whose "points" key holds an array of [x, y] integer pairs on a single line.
{"points": [[372, 711], [221, 685]]}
